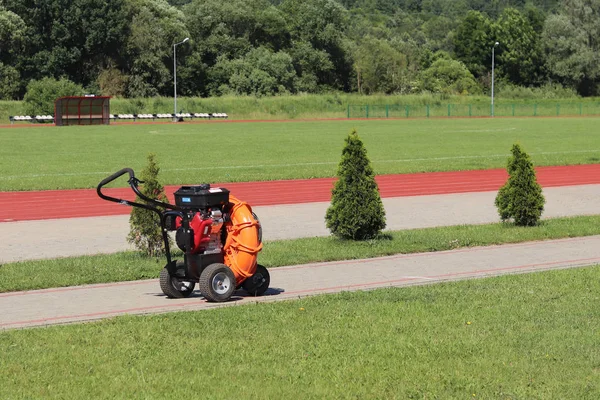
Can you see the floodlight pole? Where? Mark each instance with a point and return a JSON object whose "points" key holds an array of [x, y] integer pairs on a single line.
{"points": [[175, 75], [493, 48]]}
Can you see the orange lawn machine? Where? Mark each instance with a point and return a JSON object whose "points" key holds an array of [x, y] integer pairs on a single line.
{"points": [[219, 235]]}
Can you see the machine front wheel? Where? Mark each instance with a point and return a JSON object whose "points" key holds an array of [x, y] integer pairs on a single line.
{"points": [[174, 287], [258, 283], [217, 282]]}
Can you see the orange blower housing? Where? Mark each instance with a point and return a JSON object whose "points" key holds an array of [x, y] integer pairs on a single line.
{"points": [[243, 241]]}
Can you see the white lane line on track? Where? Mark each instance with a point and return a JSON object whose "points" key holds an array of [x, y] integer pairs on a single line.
{"points": [[402, 160]]}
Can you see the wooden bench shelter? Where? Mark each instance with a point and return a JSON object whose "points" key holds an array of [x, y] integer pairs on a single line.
{"points": [[86, 110]]}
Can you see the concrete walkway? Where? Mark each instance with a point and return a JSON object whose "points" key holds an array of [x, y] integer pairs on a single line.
{"points": [[85, 303], [79, 236]]}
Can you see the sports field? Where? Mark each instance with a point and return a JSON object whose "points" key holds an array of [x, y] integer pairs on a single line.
{"points": [[74, 157]]}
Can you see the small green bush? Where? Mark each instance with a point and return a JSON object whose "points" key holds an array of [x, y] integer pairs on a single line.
{"points": [[112, 82], [145, 232], [447, 77], [42, 94], [521, 198], [356, 210], [547, 91]]}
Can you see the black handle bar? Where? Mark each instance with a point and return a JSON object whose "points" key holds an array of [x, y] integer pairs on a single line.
{"points": [[115, 176], [152, 204], [133, 182]]}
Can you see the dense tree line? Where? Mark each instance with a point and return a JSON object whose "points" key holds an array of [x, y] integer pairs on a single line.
{"points": [[266, 47]]}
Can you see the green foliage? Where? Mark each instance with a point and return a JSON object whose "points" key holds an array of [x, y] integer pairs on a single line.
{"points": [[380, 68], [519, 54], [322, 23], [473, 42], [310, 65], [572, 45], [112, 82], [155, 27], [145, 232], [356, 210], [42, 94], [223, 34], [270, 47], [439, 32], [448, 77], [12, 31], [9, 82], [547, 91], [70, 38], [261, 72], [12, 37], [521, 198]]}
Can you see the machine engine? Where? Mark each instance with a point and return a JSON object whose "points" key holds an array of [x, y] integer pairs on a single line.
{"points": [[202, 231]]}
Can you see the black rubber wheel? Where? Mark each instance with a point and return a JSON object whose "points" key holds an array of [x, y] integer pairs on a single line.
{"points": [[258, 283], [174, 287], [217, 282]]}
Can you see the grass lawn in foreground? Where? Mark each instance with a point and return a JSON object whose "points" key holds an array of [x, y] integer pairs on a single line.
{"points": [[128, 266], [533, 336], [79, 157]]}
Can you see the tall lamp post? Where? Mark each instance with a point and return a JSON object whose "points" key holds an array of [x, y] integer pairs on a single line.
{"points": [[493, 48], [175, 75]]}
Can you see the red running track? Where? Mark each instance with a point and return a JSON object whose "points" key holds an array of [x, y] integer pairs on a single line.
{"points": [[50, 204]]}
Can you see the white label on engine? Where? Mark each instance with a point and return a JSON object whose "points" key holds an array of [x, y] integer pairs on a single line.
{"points": [[215, 190]]}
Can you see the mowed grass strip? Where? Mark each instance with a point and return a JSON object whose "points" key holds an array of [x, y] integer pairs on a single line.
{"points": [[79, 157], [126, 266], [532, 336]]}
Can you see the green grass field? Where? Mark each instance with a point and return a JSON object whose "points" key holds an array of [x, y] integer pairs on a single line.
{"points": [[529, 336], [74, 157], [128, 266]]}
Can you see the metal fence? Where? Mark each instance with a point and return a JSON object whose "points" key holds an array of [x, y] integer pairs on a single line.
{"points": [[473, 110]]}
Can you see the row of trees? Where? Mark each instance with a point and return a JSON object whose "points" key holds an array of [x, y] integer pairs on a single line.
{"points": [[266, 47]]}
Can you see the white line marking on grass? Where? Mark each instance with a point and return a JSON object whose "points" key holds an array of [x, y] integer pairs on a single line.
{"points": [[252, 166], [7, 178], [402, 160], [374, 161], [483, 130]]}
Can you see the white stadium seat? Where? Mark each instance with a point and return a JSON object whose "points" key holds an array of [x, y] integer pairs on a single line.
{"points": [[43, 118]]}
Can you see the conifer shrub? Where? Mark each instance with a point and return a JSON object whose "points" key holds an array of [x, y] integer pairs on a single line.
{"points": [[521, 198], [356, 211], [145, 232]]}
